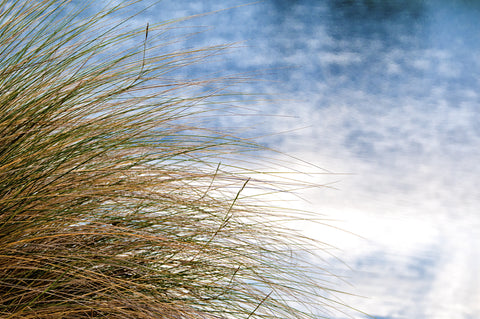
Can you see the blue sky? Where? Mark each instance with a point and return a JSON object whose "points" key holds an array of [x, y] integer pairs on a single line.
{"points": [[386, 91]]}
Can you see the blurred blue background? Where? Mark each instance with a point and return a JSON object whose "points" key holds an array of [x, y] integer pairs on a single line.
{"points": [[384, 90]]}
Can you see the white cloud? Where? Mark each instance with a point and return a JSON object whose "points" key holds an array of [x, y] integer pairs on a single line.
{"points": [[419, 250]]}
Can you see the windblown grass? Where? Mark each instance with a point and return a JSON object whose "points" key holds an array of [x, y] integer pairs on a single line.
{"points": [[112, 202]]}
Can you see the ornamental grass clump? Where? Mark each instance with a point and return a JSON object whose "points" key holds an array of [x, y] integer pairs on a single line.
{"points": [[113, 202]]}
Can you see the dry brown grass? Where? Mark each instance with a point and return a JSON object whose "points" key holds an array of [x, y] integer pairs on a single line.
{"points": [[111, 204]]}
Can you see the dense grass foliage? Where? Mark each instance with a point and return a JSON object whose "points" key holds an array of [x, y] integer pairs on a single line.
{"points": [[113, 202]]}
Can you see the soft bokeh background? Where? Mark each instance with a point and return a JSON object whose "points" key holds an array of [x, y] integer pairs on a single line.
{"points": [[386, 91]]}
